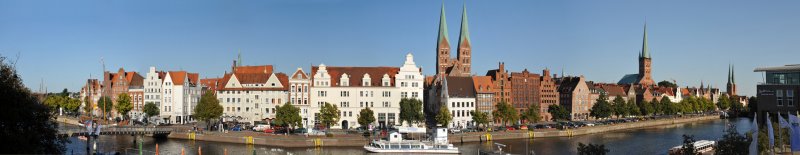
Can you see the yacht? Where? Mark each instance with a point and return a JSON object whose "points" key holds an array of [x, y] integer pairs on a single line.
{"points": [[396, 144]]}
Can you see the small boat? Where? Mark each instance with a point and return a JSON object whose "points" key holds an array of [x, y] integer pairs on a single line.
{"points": [[499, 151], [396, 144], [702, 147]]}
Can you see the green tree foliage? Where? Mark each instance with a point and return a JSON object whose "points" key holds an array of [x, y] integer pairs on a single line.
{"points": [[733, 143], [688, 145], [666, 83], [64, 93], [444, 117], [411, 111], [558, 112], [592, 149], [633, 108], [781, 136], [752, 104], [87, 105], [366, 117], [287, 115], [124, 104], [532, 114], [105, 105], [648, 108], [480, 117], [28, 127], [57, 101], [724, 102], [667, 107], [736, 105], [151, 109], [620, 109], [505, 113], [208, 108], [601, 108], [329, 114]]}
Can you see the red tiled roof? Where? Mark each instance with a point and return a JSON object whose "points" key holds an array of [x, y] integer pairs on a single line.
{"points": [[253, 69], [614, 90], [211, 83], [357, 73], [178, 77], [483, 84]]}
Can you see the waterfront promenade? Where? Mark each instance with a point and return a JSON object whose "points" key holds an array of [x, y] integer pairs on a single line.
{"points": [[355, 140]]}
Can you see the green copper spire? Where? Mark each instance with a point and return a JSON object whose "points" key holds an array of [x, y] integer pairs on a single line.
{"points": [[645, 52], [442, 28], [733, 80], [464, 36], [239, 62]]}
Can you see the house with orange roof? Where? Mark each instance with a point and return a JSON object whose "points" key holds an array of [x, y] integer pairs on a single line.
{"points": [[251, 93], [180, 93], [354, 88]]}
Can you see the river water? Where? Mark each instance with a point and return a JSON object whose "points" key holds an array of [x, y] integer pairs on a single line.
{"points": [[653, 140]]}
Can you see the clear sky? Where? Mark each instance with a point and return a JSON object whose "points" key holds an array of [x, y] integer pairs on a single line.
{"points": [[61, 42]]}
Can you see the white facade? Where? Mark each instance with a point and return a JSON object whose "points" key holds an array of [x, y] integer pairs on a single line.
{"points": [[251, 96], [152, 87], [179, 97], [461, 110], [299, 85], [379, 88]]}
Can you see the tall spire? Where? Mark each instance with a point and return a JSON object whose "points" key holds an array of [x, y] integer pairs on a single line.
{"points": [[729, 73], [442, 28], [464, 35], [239, 61], [733, 75], [645, 52]]}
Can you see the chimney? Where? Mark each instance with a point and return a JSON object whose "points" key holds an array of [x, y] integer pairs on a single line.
{"points": [[233, 67]]}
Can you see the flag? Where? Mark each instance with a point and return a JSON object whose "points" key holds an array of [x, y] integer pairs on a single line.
{"points": [[754, 143], [783, 123], [770, 133], [795, 134]]}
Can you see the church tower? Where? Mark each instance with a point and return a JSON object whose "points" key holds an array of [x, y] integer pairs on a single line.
{"points": [[442, 46], [464, 47], [645, 77], [731, 82]]}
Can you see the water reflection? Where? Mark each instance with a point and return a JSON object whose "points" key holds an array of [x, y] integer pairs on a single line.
{"points": [[654, 140]]}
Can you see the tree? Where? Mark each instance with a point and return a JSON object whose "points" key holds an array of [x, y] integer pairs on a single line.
{"points": [[444, 117], [667, 107], [647, 108], [620, 109], [87, 105], [666, 83], [633, 108], [64, 93], [105, 105], [411, 111], [124, 104], [480, 118], [366, 117], [71, 104], [688, 145], [724, 102], [752, 104], [559, 113], [505, 113], [733, 143], [151, 109], [208, 108], [28, 126], [329, 114], [601, 108], [592, 149], [532, 114], [288, 116]]}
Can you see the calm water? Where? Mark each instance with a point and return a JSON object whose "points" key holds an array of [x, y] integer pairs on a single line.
{"points": [[655, 140]]}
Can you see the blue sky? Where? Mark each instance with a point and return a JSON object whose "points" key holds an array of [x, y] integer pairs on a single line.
{"points": [[61, 42]]}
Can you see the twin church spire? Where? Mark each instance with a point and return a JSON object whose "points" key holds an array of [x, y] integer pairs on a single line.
{"points": [[462, 64]]}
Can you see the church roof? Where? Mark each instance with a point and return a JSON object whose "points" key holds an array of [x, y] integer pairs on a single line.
{"points": [[629, 79]]}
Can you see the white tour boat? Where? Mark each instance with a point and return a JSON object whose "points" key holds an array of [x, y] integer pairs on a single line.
{"points": [[396, 144], [702, 147]]}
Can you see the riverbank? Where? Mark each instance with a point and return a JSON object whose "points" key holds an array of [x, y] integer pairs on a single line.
{"points": [[353, 140], [484, 136]]}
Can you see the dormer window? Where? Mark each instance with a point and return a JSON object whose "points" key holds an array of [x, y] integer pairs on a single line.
{"points": [[344, 80], [366, 81]]}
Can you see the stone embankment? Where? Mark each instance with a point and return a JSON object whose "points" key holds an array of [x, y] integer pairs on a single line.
{"points": [[354, 140]]}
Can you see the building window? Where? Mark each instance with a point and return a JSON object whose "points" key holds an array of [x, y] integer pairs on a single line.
{"points": [[385, 104], [790, 97], [779, 97]]}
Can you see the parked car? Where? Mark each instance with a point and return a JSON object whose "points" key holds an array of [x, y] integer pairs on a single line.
{"points": [[510, 128], [300, 131], [237, 128], [269, 130], [260, 127]]}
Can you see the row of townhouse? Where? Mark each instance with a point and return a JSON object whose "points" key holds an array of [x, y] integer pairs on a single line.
{"points": [[252, 93]]}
